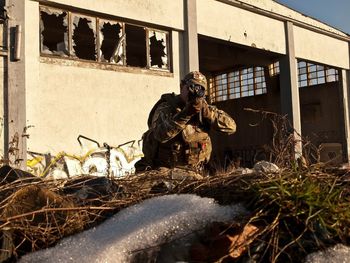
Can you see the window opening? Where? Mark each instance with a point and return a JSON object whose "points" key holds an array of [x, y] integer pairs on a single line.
{"points": [[54, 32], [84, 37], [310, 74], [274, 68], [135, 46], [111, 42], [158, 49], [80, 36], [237, 84]]}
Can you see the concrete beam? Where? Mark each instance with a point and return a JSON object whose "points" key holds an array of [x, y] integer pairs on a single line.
{"points": [[15, 95], [289, 90], [191, 36]]}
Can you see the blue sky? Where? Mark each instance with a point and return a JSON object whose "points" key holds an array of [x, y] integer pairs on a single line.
{"points": [[335, 13]]}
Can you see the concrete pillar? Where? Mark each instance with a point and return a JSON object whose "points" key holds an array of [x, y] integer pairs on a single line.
{"points": [[344, 88], [15, 94], [3, 77], [191, 36], [290, 102]]}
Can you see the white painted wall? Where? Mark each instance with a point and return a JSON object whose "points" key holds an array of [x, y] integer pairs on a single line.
{"points": [[104, 105], [160, 12], [230, 23], [280, 9], [64, 100], [321, 48], [226, 22]]}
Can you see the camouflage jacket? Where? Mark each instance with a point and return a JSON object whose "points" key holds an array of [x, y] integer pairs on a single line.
{"points": [[174, 139]]}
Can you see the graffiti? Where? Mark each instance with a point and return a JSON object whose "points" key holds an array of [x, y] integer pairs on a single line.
{"points": [[106, 161]]}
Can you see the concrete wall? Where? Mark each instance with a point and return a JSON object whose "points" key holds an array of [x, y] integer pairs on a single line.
{"points": [[236, 25], [250, 29], [66, 98], [321, 48], [168, 13], [281, 10], [14, 100], [3, 82]]}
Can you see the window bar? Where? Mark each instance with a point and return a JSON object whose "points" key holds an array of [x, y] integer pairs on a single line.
{"points": [[307, 74], [254, 82], [97, 46], [70, 33], [148, 55], [169, 48], [240, 83], [123, 43], [227, 86]]}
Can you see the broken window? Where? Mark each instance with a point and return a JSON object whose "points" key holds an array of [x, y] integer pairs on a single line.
{"points": [[135, 46], [84, 37], [310, 74], [237, 84], [54, 31], [111, 42], [158, 55], [96, 39]]}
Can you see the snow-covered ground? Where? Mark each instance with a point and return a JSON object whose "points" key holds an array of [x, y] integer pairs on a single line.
{"points": [[148, 224], [336, 254]]}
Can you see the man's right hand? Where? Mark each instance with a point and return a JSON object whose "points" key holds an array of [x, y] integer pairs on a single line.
{"points": [[194, 106]]}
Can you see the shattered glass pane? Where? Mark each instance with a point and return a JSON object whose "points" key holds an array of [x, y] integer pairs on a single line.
{"points": [[111, 42], [158, 49], [54, 32], [84, 37]]}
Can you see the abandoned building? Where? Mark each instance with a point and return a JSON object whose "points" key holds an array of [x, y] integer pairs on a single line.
{"points": [[97, 67]]}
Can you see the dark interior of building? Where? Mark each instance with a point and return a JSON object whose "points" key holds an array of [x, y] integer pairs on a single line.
{"points": [[226, 64]]}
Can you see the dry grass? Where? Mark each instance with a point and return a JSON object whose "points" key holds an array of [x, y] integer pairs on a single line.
{"points": [[298, 210]]}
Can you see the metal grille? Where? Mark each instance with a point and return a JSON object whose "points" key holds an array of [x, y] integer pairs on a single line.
{"points": [[237, 84], [310, 74]]}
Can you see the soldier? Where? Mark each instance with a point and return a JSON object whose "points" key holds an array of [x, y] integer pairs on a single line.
{"points": [[179, 126]]}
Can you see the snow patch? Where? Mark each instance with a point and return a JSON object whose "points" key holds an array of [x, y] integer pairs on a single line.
{"points": [[336, 254], [150, 223]]}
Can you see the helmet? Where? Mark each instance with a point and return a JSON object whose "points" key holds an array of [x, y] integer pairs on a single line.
{"points": [[195, 77]]}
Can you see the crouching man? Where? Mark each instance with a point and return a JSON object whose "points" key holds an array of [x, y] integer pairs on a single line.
{"points": [[179, 125]]}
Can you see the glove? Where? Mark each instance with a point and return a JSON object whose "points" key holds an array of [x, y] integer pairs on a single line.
{"points": [[193, 107], [206, 112]]}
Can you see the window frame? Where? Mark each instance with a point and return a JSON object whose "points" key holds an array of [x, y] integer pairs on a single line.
{"points": [[274, 68], [237, 84], [308, 77], [97, 20]]}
